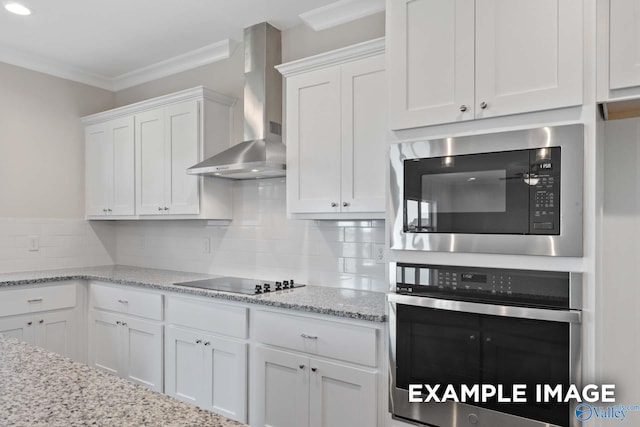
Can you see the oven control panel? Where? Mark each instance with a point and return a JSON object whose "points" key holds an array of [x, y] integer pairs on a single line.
{"points": [[544, 191], [508, 286]]}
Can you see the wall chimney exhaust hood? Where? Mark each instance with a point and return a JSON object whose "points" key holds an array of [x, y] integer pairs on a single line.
{"points": [[262, 154]]}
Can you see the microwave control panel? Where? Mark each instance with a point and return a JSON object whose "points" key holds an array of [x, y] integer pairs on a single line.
{"points": [[544, 192], [505, 286]]}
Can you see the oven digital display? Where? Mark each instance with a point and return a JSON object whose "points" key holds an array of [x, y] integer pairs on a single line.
{"points": [[476, 278]]}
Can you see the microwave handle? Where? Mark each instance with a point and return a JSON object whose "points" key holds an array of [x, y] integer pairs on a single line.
{"points": [[565, 316]]}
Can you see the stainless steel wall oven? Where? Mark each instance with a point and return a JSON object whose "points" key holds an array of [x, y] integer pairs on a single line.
{"points": [[469, 325], [516, 192]]}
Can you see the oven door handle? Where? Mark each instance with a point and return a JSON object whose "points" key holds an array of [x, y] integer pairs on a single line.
{"points": [[566, 316]]}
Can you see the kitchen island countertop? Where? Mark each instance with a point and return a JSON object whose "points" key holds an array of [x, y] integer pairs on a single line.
{"points": [[38, 388], [333, 301]]}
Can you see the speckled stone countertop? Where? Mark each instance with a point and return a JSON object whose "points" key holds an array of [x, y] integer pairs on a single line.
{"points": [[38, 388], [341, 302]]}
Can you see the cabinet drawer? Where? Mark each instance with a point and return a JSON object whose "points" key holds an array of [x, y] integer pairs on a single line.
{"points": [[223, 319], [341, 341], [127, 301], [32, 300]]}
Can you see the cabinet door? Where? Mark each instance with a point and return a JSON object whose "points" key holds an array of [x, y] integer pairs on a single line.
{"points": [[364, 145], [528, 55], [98, 169], [150, 162], [19, 327], [142, 352], [56, 332], [225, 377], [430, 51], [313, 141], [281, 389], [122, 151], [105, 342], [341, 396], [181, 152], [624, 44], [184, 365]]}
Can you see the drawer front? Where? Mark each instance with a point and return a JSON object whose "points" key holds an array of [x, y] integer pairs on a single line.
{"points": [[341, 341], [127, 301], [32, 300], [222, 319]]}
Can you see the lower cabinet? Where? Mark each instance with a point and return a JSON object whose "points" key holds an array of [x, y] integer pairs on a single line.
{"points": [[293, 390], [53, 331], [128, 347], [206, 370]]}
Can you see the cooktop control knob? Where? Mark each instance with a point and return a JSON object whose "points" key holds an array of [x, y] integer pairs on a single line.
{"points": [[278, 286], [258, 289], [267, 287], [285, 284]]}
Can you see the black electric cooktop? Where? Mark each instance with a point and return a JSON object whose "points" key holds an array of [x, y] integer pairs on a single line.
{"points": [[240, 285]]}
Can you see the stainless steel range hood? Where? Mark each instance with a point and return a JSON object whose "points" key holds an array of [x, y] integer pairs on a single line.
{"points": [[262, 154]]}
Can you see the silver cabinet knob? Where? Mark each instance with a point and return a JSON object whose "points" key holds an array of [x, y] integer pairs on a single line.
{"points": [[314, 369], [207, 343], [29, 323], [334, 204], [301, 366], [41, 321], [124, 324], [483, 105], [198, 341], [346, 204], [463, 108]]}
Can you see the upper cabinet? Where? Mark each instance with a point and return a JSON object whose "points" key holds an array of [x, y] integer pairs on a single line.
{"points": [[335, 117], [456, 60], [137, 157]]}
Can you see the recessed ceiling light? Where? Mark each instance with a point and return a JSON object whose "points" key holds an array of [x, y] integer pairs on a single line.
{"points": [[18, 9]]}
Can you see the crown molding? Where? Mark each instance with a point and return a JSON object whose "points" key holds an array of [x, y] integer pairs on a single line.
{"points": [[338, 56], [53, 68], [340, 12], [196, 93], [187, 61], [195, 58]]}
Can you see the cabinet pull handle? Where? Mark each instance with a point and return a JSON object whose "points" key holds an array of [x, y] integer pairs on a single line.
{"points": [[483, 105], [311, 337], [463, 108], [124, 324], [159, 208], [345, 204], [118, 322], [35, 300], [314, 369], [334, 204], [301, 366], [123, 301], [29, 323], [198, 341], [109, 210], [207, 343], [166, 208], [41, 321], [104, 210]]}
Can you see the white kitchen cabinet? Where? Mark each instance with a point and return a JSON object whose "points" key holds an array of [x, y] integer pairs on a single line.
{"points": [[206, 355], [459, 60], [624, 44], [335, 132], [138, 171], [127, 347], [167, 144], [296, 391], [207, 370], [45, 316], [109, 160]]}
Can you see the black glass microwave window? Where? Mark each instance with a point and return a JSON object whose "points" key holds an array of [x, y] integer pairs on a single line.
{"points": [[443, 347], [509, 192]]}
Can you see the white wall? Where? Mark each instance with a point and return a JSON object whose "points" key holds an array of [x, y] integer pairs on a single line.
{"points": [[619, 298], [42, 172], [260, 242]]}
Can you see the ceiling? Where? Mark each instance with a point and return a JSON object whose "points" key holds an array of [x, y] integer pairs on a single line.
{"points": [[101, 42]]}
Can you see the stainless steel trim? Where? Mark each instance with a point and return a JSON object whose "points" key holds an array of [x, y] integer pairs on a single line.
{"points": [[568, 243], [569, 316], [455, 414]]}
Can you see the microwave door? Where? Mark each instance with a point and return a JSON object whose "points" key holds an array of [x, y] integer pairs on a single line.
{"points": [[477, 193]]}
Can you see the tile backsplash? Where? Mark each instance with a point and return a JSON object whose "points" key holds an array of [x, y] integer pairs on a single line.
{"points": [[59, 243], [260, 242]]}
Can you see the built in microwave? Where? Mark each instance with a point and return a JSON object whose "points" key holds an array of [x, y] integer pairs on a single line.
{"points": [[517, 192]]}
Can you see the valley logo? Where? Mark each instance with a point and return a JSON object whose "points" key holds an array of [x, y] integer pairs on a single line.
{"points": [[586, 412]]}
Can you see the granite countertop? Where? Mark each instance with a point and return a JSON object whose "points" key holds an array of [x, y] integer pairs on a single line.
{"points": [[38, 388], [341, 302]]}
